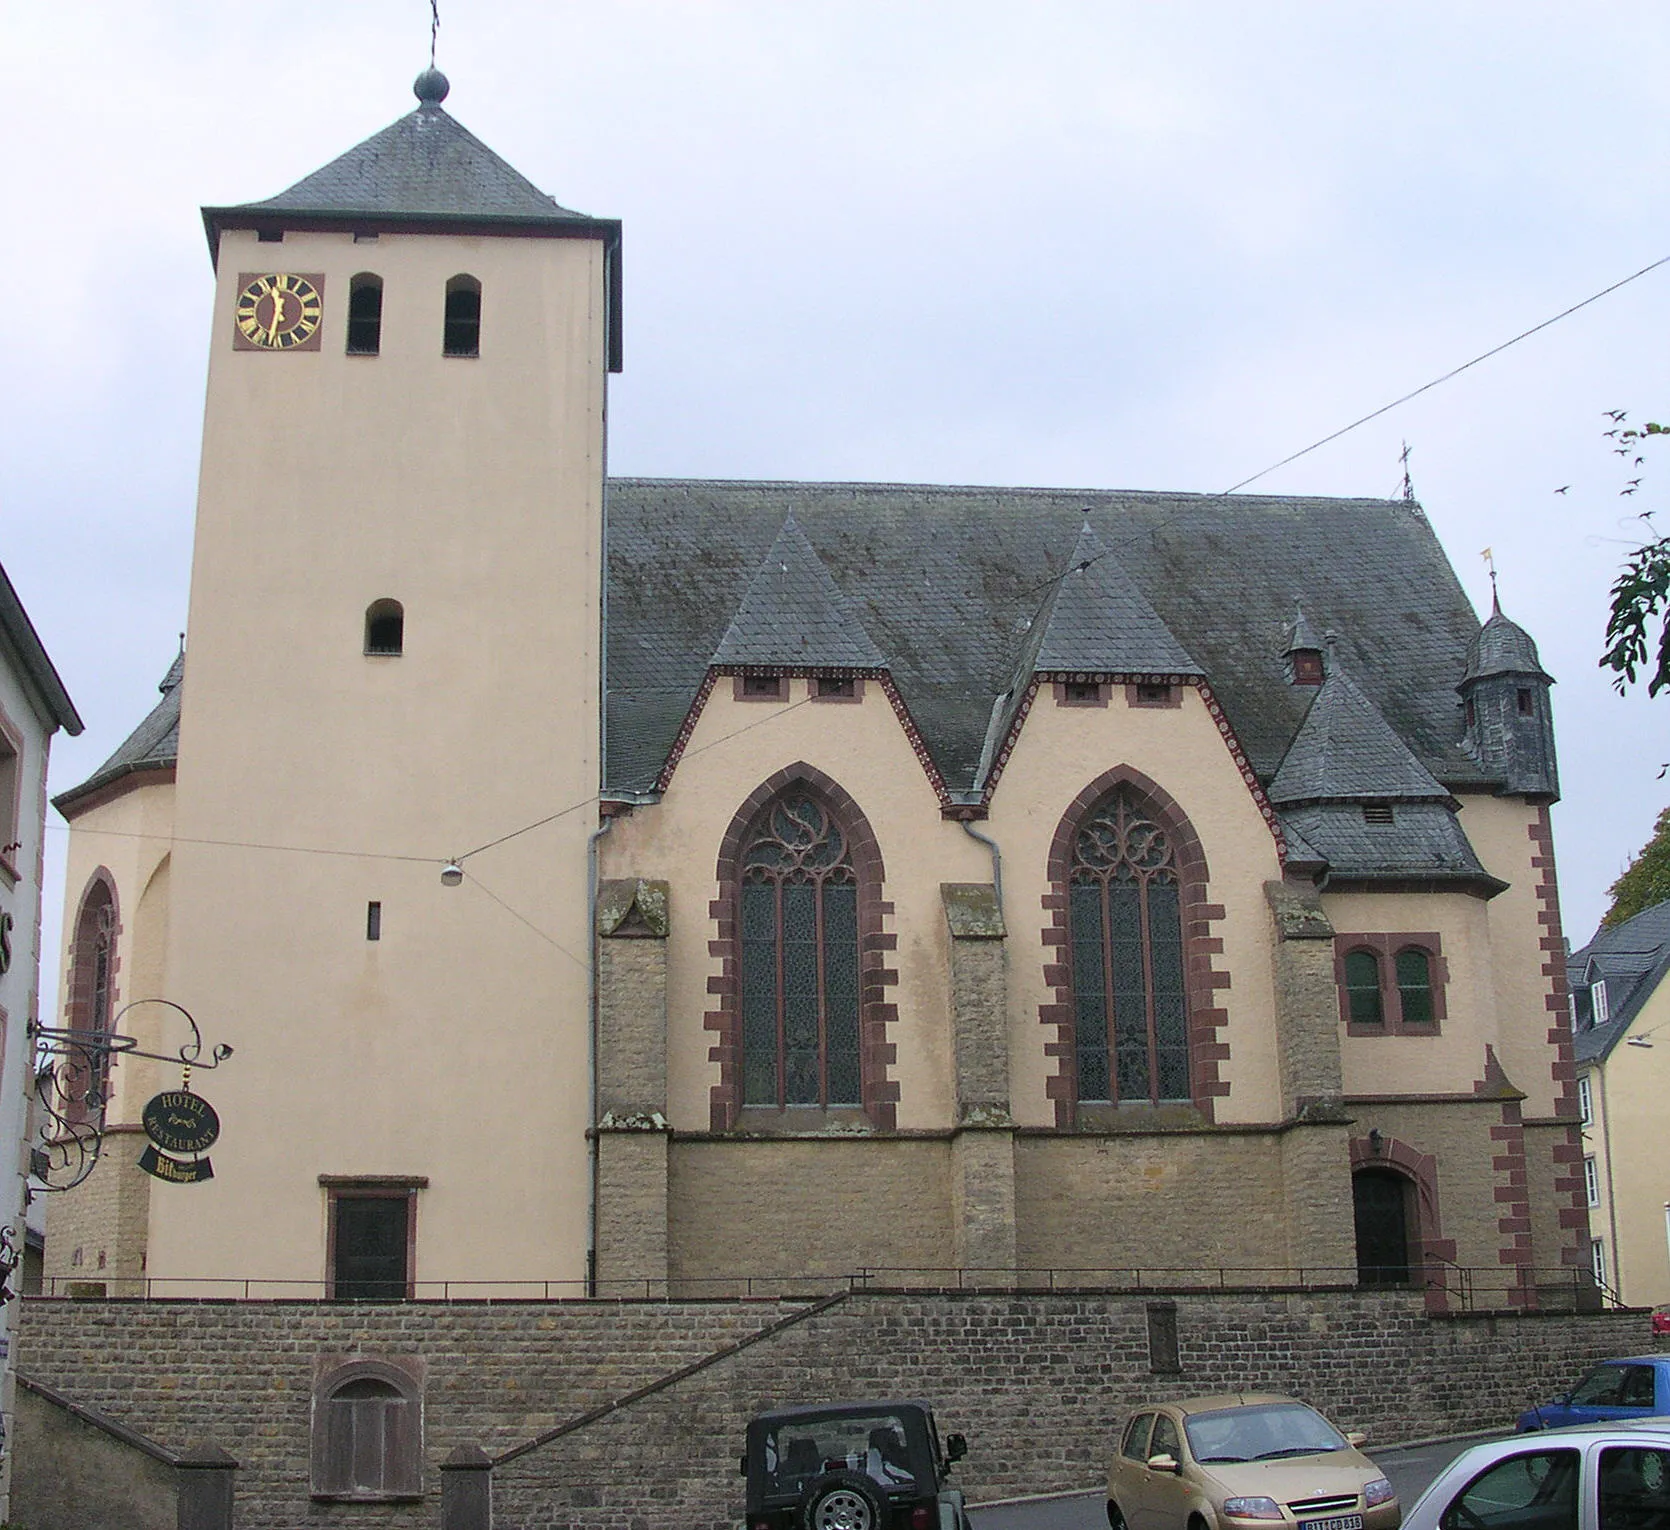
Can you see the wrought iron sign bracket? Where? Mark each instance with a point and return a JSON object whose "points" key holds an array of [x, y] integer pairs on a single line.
{"points": [[72, 1079]]}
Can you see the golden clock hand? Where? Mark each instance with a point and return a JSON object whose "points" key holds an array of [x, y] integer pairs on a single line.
{"points": [[278, 314]]}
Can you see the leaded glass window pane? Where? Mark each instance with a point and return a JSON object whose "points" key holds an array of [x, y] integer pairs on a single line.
{"points": [[800, 988], [840, 988], [1130, 1005], [759, 995], [1362, 988], [1090, 985], [1414, 986]]}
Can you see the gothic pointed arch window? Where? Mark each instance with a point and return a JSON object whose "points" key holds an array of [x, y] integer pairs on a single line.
{"points": [[1132, 957], [1131, 1031], [798, 958], [92, 979]]}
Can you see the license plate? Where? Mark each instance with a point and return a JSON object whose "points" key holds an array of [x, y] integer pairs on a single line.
{"points": [[1338, 1522]]}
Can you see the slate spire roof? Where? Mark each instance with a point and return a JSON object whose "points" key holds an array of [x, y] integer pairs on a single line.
{"points": [[1095, 619], [1345, 750], [426, 165], [1301, 638], [1502, 647], [153, 745], [1353, 798], [793, 613]]}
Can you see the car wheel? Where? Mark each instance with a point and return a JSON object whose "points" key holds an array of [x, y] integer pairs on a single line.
{"points": [[842, 1501], [1116, 1517]]}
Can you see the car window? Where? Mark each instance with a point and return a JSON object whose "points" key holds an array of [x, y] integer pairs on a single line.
{"points": [[1136, 1437], [1261, 1432], [1637, 1388], [874, 1444], [1634, 1489], [1534, 1491], [1600, 1388], [1165, 1441]]}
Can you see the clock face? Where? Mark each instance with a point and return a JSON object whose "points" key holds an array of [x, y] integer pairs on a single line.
{"points": [[279, 311]]}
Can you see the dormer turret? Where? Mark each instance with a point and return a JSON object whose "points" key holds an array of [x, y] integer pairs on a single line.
{"points": [[1302, 659], [1507, 714]]}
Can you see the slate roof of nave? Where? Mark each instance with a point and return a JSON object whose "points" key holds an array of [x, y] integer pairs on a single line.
{"points": [[947, 585], [949, 581]]}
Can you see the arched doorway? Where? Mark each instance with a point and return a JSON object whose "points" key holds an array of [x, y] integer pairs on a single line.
{"points": [[1385, 1221]]}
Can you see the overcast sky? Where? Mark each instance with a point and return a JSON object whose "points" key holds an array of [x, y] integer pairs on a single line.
{"points": [[1089, 243]]}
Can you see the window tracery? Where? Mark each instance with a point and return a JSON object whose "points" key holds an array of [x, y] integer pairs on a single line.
{"points": [[1130, 1005], [799, 963]]}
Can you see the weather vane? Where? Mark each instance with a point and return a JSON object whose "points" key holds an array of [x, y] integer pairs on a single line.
{"points": [[1490, 563]]}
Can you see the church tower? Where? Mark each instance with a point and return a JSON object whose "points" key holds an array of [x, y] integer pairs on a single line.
{"points": [[393, 666]]}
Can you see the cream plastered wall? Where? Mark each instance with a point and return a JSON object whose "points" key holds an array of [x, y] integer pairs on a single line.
{"points": [[1060, 751], [1453, 1060], [1628, 1141], [735, 746], [128, 835], [314, 779], [1499, 829]]}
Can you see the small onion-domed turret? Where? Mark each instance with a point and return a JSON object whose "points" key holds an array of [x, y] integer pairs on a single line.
{"points": [[1509, 721]]}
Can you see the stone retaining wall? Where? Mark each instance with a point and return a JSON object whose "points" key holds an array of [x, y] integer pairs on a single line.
{"points": [[1038, 1382]]}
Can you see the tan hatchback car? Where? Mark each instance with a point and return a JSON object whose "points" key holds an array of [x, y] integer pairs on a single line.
{"points": [[1247, 1461]]}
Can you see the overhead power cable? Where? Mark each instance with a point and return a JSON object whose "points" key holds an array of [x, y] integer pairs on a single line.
{"points": [[1495, 350]]}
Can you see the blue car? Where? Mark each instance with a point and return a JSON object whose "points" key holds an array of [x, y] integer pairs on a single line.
{"points": [[1638, 1387]]}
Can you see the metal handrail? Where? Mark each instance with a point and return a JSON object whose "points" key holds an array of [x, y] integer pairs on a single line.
{"points": [[1463, 1287]]}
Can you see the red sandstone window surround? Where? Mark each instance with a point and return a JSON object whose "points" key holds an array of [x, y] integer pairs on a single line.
{"points": [[805, 963], [1391, 985]]}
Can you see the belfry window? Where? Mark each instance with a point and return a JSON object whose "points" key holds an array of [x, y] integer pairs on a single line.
{"points": [[385, 627], [462, 336], [365, 314], [1131, 1014], [799, 957]]}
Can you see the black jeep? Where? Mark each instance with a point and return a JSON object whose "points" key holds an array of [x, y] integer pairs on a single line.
{"points": [[852, 1466]]}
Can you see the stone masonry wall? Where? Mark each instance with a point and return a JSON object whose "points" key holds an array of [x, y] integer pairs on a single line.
{"points": [[99, 1228], [1038, 1382]]}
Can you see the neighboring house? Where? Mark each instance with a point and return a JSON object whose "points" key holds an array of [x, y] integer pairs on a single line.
{"points": [[646, 885], [1621, 1009], [33, 706]]}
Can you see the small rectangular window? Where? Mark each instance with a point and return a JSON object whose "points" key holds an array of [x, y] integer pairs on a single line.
{"points": [[269, 236], [1591, 1180], [1524, 701], [1598, 1001], [1377, 812], [461, 334], [1153, 695], [364, 238], [833, 687], [1586, 1100], [765, 687], [1597, 1260], [373, 921], [1080, 693], [370, 1255]]}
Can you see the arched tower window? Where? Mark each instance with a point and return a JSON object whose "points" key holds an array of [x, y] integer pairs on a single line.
{"points": [[385, 627], [365, 314], [798, 957], [1130, 1005], [85, 1076], [462, 336]]}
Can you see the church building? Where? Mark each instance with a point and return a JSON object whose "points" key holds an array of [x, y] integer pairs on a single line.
{"points": [[626, 886]]}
